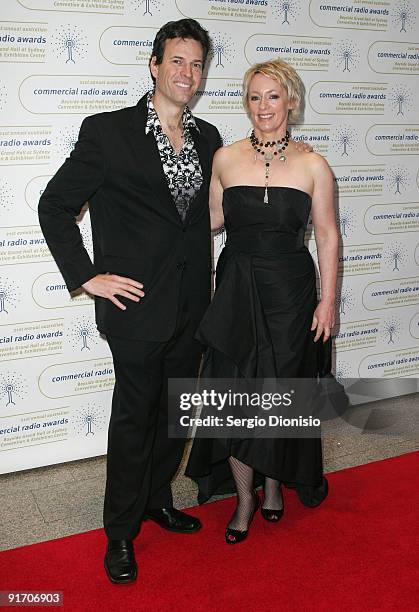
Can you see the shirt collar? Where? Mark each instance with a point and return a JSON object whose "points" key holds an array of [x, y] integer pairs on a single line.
{"points": [[153, 122]]}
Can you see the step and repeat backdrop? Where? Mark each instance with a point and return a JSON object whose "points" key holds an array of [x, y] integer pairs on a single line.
{"points": [[62, 60]]}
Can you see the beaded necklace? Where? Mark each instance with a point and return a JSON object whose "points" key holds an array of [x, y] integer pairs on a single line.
{"points": [[268, 156]]}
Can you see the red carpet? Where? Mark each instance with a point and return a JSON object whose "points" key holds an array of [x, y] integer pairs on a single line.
{"points": [[355, 552]]}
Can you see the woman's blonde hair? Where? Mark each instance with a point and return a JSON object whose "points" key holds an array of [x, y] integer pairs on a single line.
{"points": [[285, 74]]}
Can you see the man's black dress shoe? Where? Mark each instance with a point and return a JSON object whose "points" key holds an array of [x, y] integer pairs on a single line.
{"points": [[173, 520], [120, 564]]}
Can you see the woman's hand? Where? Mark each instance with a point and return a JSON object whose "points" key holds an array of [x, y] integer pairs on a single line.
{"points": [[302, 146], [326, 234], [323, 320]]}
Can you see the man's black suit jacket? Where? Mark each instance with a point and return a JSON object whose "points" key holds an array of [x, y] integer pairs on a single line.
{"points": [[137, 230]]}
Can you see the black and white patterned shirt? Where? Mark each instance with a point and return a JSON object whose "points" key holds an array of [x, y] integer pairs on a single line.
{"points": [[183, 172]]}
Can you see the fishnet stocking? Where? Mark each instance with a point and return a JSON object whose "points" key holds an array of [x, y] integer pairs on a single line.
{"points": [[273, 495], [243, 478]]}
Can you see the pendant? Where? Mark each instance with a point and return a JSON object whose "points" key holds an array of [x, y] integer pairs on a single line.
{"points": [[269, 156], [282, 158], [266, 199]]}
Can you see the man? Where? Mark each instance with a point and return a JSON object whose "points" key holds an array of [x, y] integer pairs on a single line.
{"points": [[145, 171]]}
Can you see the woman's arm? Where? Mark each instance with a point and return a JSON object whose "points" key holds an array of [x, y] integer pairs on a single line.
{"points": [[326, 235], [216, 191]]}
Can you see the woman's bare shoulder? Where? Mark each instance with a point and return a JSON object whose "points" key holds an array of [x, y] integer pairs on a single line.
{"points": [[231, 149], [227, 153], [314, 161]]}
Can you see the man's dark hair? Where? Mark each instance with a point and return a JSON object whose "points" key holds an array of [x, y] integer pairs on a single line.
{"points": [[183, 28]]}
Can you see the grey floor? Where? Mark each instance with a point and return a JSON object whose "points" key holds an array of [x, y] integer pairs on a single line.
{"points": [[60, 500]]}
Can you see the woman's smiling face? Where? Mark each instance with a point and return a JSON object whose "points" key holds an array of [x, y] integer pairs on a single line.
{"points": [[268, 104]]}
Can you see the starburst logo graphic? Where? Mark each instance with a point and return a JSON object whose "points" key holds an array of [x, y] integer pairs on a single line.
{"points": [[344, 301], [9, 295], [345, 139], [86, 236], [286, 10], [89, 419], [3, 96], [139, 88], [222, 49], [342, 370], [6, 196], [147, 6], [83, 334], [66, 140], [400, 99], [227, 134], [395, 254], [71, 43], [346, 220], [391, 329], [398, 179], [404, 15], [12, 388], [346, 55]]}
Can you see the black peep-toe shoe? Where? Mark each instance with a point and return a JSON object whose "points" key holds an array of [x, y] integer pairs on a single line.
{"points": [[273, 516], [234, 536]]}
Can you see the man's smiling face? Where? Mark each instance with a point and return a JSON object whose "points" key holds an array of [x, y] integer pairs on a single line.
{"points": [[180, 72]]}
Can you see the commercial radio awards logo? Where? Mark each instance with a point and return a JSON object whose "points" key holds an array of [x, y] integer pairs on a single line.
{"points": [[395, 256], [346, 220], [404, 15], [391, 329], [400, 99], [222, 49], [286, 10], [398, 179], [6, 196], [346, 54], [9, 296], [13, 387], [71, 43], [65, 140], [89, 419], [83, 334], [3, 96], [344, 300], [147, 7], [344, 140]]}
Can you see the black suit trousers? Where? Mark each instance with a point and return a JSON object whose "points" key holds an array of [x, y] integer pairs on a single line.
{"points": [[141, 459]]}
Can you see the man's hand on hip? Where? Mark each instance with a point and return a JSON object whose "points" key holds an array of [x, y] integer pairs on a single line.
{"points": [[110, 285]]}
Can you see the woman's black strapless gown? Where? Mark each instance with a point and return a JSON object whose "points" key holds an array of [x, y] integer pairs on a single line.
{"points": [[258, 326]]}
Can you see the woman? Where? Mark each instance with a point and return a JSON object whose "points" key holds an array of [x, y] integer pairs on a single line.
{"points": [[265, 319]]}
